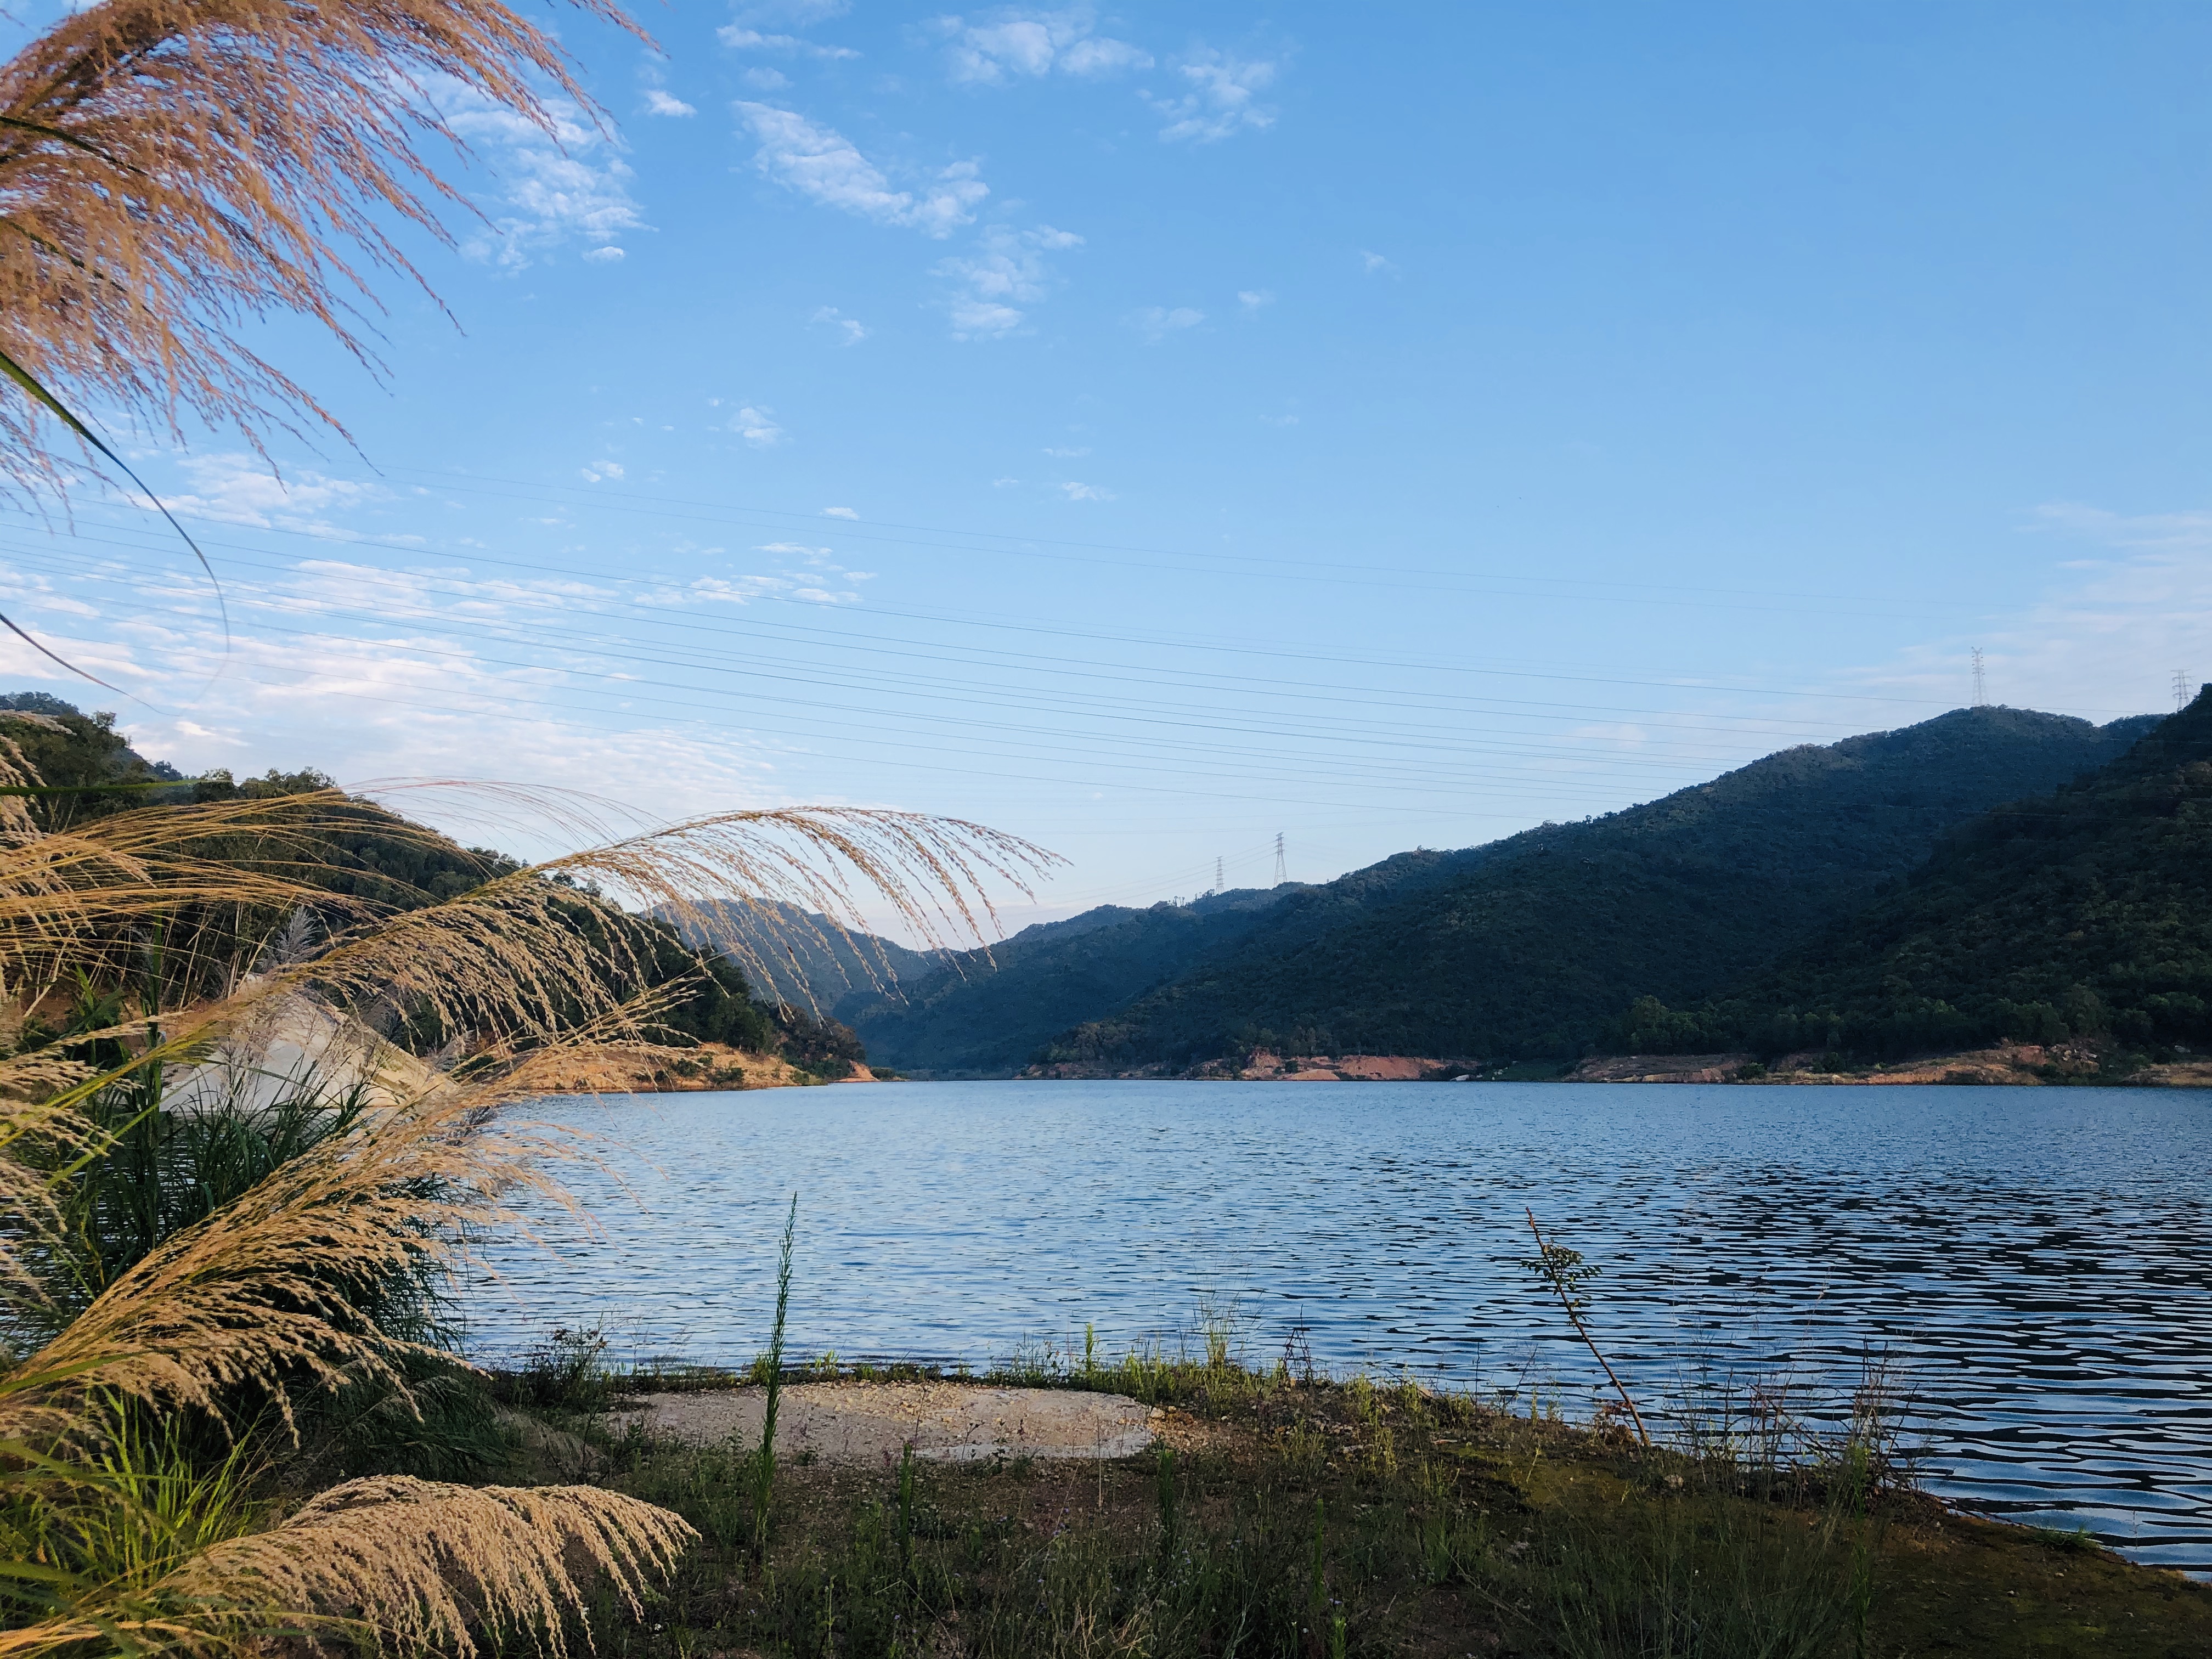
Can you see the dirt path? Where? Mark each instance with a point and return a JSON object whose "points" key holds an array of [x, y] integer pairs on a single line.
{"points": [[850, 1422]]}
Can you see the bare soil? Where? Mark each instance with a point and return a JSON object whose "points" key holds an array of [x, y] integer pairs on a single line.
{"points": [[856, 1422]]}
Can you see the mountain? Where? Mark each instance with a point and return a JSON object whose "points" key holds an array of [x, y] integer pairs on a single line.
{"points": [[1532, 945], [986, 1011], [2084, 914], [800, 957]]}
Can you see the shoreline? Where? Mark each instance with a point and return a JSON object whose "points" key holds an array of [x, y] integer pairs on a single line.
{"points": [[2011, 1065]]}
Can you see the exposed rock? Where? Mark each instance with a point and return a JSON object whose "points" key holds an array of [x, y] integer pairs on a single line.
{"points": [[1661, 1068]]}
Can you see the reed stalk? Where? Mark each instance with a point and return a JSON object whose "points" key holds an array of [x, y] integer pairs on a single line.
{"points": [[764, 1459]]}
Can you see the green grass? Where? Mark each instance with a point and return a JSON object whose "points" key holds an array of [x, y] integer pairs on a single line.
{"points": [[1357, 1518]]}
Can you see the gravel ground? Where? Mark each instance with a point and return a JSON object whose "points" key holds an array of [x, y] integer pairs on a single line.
{"points": [[850, 1422]]}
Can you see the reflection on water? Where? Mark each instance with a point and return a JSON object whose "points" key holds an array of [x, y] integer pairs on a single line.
{"points": [[2038, 1262]]}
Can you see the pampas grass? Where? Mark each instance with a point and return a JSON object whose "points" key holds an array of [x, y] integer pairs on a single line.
{"points": [[273, 1299], [170, 169]]}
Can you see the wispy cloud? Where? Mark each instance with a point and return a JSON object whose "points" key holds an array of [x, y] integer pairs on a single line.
{"points": [[850, 330], [757, 427], [1375, 264], [1070, 454], [1222, 99], [997, 46], [601, 471], [658, 101], [1006, 271], [745, 40], [2109, 634], [240, 489], [1084, 492], [556, 189], [1156, 322], [822, 164], [1253, 299], [839, 513]]}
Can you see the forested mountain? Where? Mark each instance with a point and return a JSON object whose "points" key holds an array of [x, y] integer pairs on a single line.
{"points": [[1533, 945], [986, 1011], [800, 957], [2086, 914]]}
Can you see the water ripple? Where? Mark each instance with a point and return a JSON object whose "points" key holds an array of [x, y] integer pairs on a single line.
{"points": [[2038, 1262]]}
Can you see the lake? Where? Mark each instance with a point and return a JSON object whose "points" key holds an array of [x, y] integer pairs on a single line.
{"points": [[2035, 1263]]}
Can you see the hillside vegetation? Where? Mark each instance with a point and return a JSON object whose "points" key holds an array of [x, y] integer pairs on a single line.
{"points": [[1534, 945], [359, 851], [2083, 913], [987, 1011]]}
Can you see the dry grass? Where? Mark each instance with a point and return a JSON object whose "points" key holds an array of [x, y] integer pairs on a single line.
{"points": [[170, 169], [273, 1299]]}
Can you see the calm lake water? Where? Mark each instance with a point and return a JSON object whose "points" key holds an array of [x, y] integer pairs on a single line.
{"points": [[2037, 1264]]}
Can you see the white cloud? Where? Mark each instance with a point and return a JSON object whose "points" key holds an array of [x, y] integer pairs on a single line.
{"points": [[600, 472], [558, 188], [1252, 298], [240, 489], [850, 331], [1011, 42], [839, 513], [1006, 271], [605, 256], [762, 78], [1375, 264], [2104, 641], [757, 427], [747, 39], [1157, 322], [822, 163], [1222, 99], [1069, 454], [1084, 492], [661, 102]]}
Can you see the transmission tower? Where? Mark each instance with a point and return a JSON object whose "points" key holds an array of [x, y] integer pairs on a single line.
{"points": [[1282, 872], [1217, 882], [2180, 690], [1981, 681]]}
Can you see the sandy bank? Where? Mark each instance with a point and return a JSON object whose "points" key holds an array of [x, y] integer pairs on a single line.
{"points": [[854, 1422]]}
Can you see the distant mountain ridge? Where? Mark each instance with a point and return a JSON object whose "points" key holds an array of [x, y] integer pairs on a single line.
{"points": [[1531, 945], [1526, 946], [986, 1011], [800, 957], [2082, 914]]}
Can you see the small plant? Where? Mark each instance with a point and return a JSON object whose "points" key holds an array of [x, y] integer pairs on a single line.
{"points": [[1169, 1496], [1566, 1272], [764, 1461]]}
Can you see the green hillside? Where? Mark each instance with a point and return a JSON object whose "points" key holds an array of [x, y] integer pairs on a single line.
{"points": [[1533, 945], [800, 957], [987, 1011], [2085, 914], [363, 852]]}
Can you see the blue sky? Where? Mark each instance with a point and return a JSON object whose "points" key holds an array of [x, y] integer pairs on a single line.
{"points": [[1151, 428]]}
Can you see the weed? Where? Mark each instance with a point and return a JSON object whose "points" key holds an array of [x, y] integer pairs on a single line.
{"points": [[763, 1481]]}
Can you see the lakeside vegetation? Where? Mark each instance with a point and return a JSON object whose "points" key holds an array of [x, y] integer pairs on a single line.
{"points": [[1284, 1513]]}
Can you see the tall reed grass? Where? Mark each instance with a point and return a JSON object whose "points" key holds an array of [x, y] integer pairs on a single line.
{"points": [[230, 1269]]}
